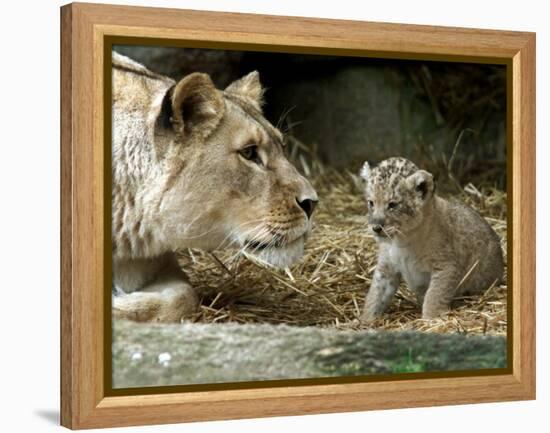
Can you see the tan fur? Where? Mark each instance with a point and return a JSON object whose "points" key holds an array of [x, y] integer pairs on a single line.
{"points": [[440, 248], [180, 180]]}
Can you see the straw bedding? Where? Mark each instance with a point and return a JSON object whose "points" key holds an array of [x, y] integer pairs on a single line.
{"points": [[327, 287]]}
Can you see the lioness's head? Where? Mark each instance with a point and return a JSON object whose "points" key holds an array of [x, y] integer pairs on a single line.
{"points": [[225, 178], [397, 194]]}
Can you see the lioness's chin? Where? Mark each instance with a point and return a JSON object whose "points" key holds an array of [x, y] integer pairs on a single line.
{"points": [[281, 256]]}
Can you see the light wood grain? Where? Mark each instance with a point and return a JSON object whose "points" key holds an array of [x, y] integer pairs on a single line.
{"points": [[67, 385], [524, 215], [83, 400]]}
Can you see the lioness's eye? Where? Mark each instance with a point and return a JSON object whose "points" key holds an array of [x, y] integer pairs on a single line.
{"points": [[370, 203], [251, 153], [392, 205]]}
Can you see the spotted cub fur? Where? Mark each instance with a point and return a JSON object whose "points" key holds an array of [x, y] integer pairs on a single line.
{"points": [[440, 248]]}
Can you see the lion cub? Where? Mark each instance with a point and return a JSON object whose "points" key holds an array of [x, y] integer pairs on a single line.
{"points": [[440, 248]]}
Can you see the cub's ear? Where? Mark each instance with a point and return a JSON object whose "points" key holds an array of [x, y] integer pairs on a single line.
{"points": [[365, 171], [423, 183], [248, 87], [196, 105]]}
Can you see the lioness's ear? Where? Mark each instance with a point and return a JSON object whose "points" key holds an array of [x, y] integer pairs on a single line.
{"points": [[197, 106], [422, 182], [365, 171], [248, 87]]}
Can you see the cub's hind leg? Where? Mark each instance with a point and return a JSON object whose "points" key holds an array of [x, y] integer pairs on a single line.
{"points": [[440, 293], [166, 296]]}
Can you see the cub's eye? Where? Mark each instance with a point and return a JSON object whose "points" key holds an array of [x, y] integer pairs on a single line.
{"points": [[370, 203], [251, 154], [392, 205]]}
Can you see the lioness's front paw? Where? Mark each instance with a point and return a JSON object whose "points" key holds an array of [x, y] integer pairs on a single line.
{"points": [[171, 304], [184, 303]]}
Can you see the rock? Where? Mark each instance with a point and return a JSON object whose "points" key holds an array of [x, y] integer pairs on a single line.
{"points": [[153, 355], [351, 113], [351, 109]]}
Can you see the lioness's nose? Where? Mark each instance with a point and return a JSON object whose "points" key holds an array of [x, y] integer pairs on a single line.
{"points": [[307, 205], [306, 196]]}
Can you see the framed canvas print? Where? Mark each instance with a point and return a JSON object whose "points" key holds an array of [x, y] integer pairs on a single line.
{"points": [[267, 216]]}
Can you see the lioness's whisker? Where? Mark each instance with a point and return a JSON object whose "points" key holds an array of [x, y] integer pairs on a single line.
{"points": [[256, 230], [236, 230], [283, 117]]}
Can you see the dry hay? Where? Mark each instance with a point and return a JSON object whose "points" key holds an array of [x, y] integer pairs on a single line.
{"points": [[327, 287]]}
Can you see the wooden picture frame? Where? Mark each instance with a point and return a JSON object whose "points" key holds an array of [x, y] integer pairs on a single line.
{"points": [[84, 29]]}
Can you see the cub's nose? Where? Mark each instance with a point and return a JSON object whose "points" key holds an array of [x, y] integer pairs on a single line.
{"points": [[377, 229], [307, 205]]}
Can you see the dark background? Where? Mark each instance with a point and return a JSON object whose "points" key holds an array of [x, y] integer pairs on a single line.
{"points": [[351, 109]]}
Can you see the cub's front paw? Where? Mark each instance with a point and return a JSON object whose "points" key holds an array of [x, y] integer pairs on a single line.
{"points": [[434, 312], [437, 302], [368, 317]]}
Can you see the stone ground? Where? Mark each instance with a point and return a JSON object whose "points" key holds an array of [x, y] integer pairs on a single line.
{"points": [[154, 355]]}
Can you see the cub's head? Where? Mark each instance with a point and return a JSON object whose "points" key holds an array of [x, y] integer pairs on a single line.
{"points": [[225, 178], [397, 195]]}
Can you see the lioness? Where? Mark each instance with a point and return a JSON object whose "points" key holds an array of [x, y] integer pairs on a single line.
{"points": [[195, 167]]}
